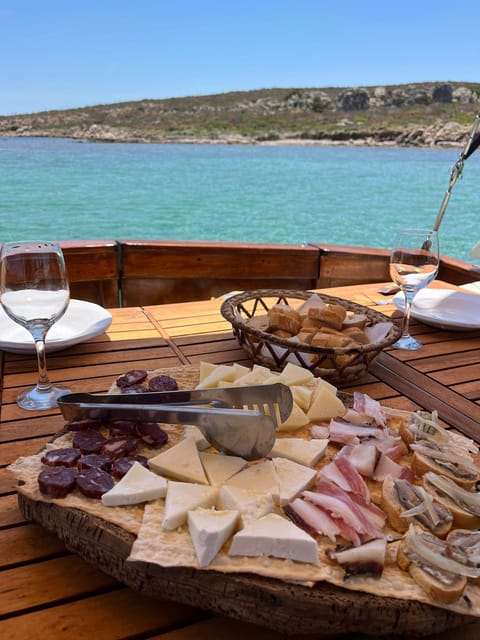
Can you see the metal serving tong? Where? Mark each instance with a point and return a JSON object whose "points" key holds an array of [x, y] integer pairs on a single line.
{"points": [[240, 421]]}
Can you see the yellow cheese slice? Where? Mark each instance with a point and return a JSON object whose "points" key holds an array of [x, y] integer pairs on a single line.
{"points": [[219, 467], [296, 420], [294, 374], [325, 405], [221, 372], [180, 462], [257, 375], [302, 395], [306, 452]]}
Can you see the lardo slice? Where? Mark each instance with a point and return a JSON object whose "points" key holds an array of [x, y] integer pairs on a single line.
{"points": [[275, 536], [293, 478], [183, 497], [250, 503], [219, 467], [180, 462], [137, 485], [305, 452], [209, 530]]}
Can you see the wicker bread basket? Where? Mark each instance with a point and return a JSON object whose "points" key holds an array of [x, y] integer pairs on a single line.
{"points": [[338, 365]]}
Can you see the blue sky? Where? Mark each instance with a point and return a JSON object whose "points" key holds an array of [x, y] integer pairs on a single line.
{"points": [[56, 54]]}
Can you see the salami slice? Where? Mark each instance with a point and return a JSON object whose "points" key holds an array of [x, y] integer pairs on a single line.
{"points": [[57, 482], [67, 457], [88, 441], [135, 376], [134, 388], [84, 423], [122, 465], [95, 460], [119, 446], [93, 483], [151, 434], [122, 428], [162, 383]]}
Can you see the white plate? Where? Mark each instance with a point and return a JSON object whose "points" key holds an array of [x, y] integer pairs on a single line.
{"points": [[82, 320], [444, 308]]}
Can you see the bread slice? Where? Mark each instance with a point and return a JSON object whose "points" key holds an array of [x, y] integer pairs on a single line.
{"points": [[421, 463], [462, 518], [441, 586], [393, 508]]}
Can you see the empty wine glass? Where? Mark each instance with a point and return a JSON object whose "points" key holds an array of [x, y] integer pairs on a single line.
{"points": [[413, 265], [34, 292]]}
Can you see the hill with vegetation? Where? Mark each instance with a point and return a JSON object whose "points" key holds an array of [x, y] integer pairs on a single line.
{"points": [[421, 114]]}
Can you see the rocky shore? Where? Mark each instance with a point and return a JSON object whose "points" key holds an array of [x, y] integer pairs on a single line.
{"points": [[424, 115]]}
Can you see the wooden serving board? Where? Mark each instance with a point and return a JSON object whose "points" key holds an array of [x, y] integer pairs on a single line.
{"points": [[323, 610]]}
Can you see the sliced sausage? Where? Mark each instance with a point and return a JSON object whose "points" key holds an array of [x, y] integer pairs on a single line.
{"points": [[57, 482], [151, 434], [135, 376], [94, 460], [120, 466], [162, 383], [93, 483], [67, 457], [88, 441]]}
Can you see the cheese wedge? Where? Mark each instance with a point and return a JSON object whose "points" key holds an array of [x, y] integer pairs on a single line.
{"points": [[183, 497], [296, 420], [221, 372], [275, 536], [206, 368], [325, 405], [305, 452], [191, 431], [220, 467], [294, 374], [137, 485], [209, 530], [180, 462], [257, 375], [302, 395], [260, 477], [239, 371], [251, 504], [293, 478]]}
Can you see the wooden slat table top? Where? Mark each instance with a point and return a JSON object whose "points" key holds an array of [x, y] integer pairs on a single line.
{"points": [[48, 592]]}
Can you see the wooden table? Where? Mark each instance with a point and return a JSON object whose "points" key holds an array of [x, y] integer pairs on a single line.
{"points": [[46, 592]]}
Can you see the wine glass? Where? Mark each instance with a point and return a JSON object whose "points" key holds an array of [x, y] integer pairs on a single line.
{"points": [[413, 265], [34, 292]]}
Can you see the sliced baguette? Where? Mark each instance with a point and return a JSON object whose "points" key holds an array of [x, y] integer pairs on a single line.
{"points": [[462, 518], [420, 464]]}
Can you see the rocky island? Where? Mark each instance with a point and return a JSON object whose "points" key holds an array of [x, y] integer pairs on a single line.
{"points": [[421, 114]]}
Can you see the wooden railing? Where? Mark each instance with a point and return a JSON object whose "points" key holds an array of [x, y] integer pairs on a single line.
{"points": [[136, 272]]}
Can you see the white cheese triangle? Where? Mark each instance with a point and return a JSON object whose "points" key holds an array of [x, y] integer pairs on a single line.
{"points": [[209, 530], [219, 467], [137, 485], [293, 477], [275, 536], [306, 452], [180, 462], [183, 497], [260, 477], [251, 504]]}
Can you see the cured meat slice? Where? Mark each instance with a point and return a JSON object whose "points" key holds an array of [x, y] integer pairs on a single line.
{"points": [[162, 383], [57, 482], [84, 423], [120, 466], [119, 446], [134, 376], [67, 457], [122, 428], [95, 460], [88, 441], [93, 483], [151, 434]]}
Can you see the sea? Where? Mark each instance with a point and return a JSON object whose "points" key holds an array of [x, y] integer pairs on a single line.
{"points": [[65, 189]]}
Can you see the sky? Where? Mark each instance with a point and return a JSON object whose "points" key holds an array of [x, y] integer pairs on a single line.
{"points": [[58, 54]]}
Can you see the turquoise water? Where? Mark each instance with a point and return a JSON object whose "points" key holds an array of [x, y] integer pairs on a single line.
{"points": [[62, 189]]}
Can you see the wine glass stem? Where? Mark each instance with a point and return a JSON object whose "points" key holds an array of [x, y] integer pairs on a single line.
{"points": [[43, 381], [409, 295]]}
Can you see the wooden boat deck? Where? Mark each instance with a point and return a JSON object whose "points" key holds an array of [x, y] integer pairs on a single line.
{"points": [[48, 592]]}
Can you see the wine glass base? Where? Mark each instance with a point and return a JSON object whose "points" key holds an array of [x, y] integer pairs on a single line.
{"points": [[38, 399], [407, 342]]}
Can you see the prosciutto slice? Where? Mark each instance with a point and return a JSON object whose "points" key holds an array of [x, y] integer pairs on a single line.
{"points": [[363, 404]]}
